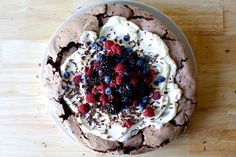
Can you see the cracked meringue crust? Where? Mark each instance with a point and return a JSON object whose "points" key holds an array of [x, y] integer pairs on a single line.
{"points": [[67, 42]]}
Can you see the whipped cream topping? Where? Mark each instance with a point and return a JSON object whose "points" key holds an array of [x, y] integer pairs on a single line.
{"points": [[109, 126]]}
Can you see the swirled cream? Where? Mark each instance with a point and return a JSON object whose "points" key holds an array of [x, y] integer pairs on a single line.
{"points": [[108, 126]]}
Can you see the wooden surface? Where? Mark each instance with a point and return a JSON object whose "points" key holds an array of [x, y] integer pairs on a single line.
{"points": [[25, 127]]}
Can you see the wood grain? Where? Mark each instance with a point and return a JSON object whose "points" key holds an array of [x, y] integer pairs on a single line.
{"points": [[25, 127]]}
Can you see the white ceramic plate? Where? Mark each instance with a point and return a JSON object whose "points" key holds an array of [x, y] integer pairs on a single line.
{"points": [[157, 13]]}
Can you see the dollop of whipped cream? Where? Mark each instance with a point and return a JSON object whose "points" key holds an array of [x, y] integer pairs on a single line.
{"points": [[111, 127]]}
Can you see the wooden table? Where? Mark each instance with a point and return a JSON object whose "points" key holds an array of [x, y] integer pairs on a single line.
{"points": [[25, 127]]}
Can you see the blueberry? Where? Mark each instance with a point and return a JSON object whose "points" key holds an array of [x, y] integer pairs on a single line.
{"points": [[145, 72], [107, 79], [126, 73], [142, 106], [66, 88], [99, 57], [120, 90], [84, 78], [85, 90], [127, 86], [94, 45], [108, 91], [146, 58], [139, 63], [100, 72], [126, 37], [129, 49], [160, 79], [124, 106], [66, 74], [103, 39], [100, 48], [145, 100]]}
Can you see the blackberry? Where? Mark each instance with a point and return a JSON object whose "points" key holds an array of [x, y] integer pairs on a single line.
{"points": [[94, 80], [127, 96], [106, 65], [132, 56]]}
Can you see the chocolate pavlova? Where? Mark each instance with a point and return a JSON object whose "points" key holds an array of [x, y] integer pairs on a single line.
{"points": [[120, 81]]}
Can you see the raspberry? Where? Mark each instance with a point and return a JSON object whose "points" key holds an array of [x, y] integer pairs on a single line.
{"points": [[101, 88], [148, 112], [156, 95], [120, 68], [108, 44], [134, 82], [94, 90], [119, 50], [152, 73], [90, 98], [103, 100], [128, 123], [112, 84], [84, 108], [135, 104], [119, 79], [96, 65], [116, 48], [77, 79], [89, 71]]}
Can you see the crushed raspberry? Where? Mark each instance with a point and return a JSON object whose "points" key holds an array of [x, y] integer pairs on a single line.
{"points": [[84, 108], [128, 123], [120, 68], [94, 90], [90, 98], [149, 112], [108, 44]]}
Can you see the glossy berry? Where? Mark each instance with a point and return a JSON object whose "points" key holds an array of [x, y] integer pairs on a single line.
{"points": [[94, 45], [116, 48], [101, 88], [103, 39], [149, 112], [103, 100], [66, 88], [156, 95], [129, 50], [90, 98], [145, 100], [126, 74], [135, 104], [107, 79], [108, 44], [112, 84], [84, 108], [142, 106], [89, 71], [66, 75], [108, 91], [119, 79], [160, 79], [120, 68], [126, 37], [99, 57], [146, 58], [120, 90], [94, 90], [77, 79], [139, 63], [100, 48], [84, 78], [128, 123], [127, 86], [100, 72]]}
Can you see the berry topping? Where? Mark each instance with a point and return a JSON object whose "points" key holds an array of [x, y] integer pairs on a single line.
{"points": [[114, 46], [108, 44], [135, 104], [107, 79], [103, 100], [101, 88], [145, 100], [84, 108], [120, 68], [119, 79], [103, 39], [112, 84], [66, 75], [99, 57], [127, 86], [126, 37], [108, 91], [100, 48], [149, 112], [134, 82], [94, 90], [77, 79], [139, 63], [94, 45], [90, 98], [156, 95], [66, 88], [142, 106], [160, 79], [128, 123], [84, 78]]}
